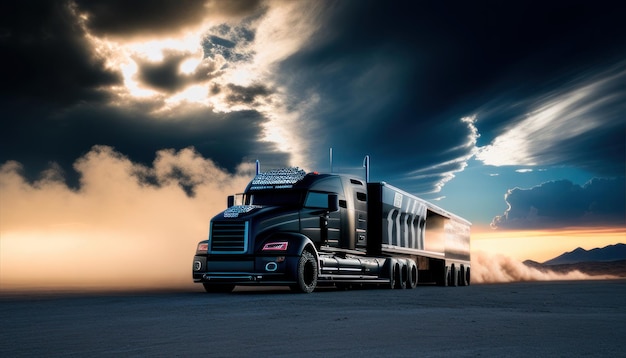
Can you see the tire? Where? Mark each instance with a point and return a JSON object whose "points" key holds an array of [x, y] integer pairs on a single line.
{"points": [[221, 288], [411, 277], [392, 274], [462, 276], [400, 275], [307, 273], [467, 276], [453, 276]]}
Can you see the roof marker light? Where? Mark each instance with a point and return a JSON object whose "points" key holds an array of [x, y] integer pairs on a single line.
{"points": [[279, 177]]}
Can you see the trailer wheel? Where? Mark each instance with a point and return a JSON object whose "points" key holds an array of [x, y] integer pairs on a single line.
{"points": [[462, 280], [400, 275], [392, 274], [221, 288], [411, 277], [307, 273], [467, 276], [453, 276]]}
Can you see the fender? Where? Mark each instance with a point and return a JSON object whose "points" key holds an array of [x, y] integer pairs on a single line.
{"points": [[296, 243]]}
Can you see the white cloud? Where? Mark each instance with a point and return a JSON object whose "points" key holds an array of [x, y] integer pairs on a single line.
{"points": [[563, 115]]}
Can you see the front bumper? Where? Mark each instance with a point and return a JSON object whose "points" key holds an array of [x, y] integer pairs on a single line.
{"points": [[265, 270]]}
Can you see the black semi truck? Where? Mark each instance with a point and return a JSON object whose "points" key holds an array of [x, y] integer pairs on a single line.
{"points": [[304, 230]]}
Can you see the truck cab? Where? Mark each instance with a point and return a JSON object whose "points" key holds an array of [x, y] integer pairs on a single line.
{"points": [[280, 215]]}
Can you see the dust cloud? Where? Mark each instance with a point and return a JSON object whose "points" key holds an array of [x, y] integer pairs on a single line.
{"points": [[127, 226], [490, 268]]}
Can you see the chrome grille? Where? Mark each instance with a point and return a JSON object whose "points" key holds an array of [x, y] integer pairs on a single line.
{"points": [[229, 237]]}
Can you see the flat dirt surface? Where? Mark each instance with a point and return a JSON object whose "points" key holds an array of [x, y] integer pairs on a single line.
{"points": [[562, 319]]}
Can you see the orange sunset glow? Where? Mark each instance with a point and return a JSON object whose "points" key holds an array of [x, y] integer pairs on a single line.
{"points": [[543, 245]]}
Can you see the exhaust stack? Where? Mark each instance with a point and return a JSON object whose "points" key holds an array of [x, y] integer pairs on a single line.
{"points": [[331, 159]]}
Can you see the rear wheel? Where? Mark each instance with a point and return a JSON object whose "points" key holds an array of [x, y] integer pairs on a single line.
{"points": [[218, 288], [411, 278], [392, 274], [307, 273], [453, 276], [400, 276], [462, 277]]}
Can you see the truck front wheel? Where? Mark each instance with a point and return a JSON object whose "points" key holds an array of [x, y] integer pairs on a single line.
{"points": [[307, 273]]}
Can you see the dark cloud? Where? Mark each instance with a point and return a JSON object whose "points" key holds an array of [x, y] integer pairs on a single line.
{"points": [[46, 57], [394, 79], [54, 99], [226, 138], [234, 7], [602, 152], [149, 17], [165, 75], [247, 94], [463, 48], [562, 204]]}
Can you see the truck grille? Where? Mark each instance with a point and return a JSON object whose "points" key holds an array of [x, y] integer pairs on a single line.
{"points": [[229, 237]]}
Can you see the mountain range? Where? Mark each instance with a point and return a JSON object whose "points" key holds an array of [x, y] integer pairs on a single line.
{"points": [[608, 260], [608, 253]]}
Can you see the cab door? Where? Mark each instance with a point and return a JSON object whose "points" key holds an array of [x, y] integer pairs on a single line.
{"points": [[317, 222]]}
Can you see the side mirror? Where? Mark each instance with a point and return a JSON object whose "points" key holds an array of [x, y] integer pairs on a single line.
{"points": [[333, 202], [231, 201]]}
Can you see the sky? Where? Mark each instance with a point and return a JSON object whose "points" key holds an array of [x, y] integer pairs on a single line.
{"points": [[124, 125]]}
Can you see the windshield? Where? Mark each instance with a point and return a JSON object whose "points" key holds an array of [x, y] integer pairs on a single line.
{"points": [[274, 198]]}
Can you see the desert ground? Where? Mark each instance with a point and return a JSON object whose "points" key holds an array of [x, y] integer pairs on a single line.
{"points": [[562, 319]]}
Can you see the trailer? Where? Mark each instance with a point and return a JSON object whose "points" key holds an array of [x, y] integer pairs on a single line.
{"points": [[305, 230]]}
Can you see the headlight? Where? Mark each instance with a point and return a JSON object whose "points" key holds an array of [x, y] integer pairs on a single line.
{"points": [[276, 246], [202, 248]]}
